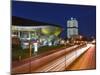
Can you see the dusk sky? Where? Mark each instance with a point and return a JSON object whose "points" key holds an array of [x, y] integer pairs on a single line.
{"points": [[58, 14]]}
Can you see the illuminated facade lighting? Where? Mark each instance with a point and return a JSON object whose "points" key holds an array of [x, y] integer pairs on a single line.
{"points": [[72, 27]]}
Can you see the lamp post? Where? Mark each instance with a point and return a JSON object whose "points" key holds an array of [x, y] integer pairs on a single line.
{"points": [[30, 44], [30, 48], [30, 51], [65, 55]]}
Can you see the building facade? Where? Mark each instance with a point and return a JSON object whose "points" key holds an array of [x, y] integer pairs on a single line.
{"points": [[35, 32], [72, 27]]}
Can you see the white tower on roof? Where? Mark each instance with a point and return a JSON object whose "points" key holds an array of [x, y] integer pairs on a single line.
{"points": [[72, 27]]}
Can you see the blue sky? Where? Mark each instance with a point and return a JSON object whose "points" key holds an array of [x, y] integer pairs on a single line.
{"points": [[58, 14]]}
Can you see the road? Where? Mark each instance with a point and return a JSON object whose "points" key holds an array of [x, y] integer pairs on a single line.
{"points": [[57, 61], [61, 63], [86, 61]]}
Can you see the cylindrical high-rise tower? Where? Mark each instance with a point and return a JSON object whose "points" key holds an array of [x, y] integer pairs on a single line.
{"points": [[72, 27]]}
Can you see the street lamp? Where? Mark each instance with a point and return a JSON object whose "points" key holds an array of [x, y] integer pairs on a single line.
{"points": [[65, 55], [30, 48], [30, 54]]}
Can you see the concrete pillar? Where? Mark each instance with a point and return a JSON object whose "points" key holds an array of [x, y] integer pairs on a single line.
{"points": [[29, 35], [18, 34]]}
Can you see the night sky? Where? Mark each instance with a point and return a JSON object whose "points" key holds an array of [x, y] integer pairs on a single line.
{"points": [[58, 14]]}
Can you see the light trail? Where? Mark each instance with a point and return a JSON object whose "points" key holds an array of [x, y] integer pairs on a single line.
{"points": [[41, 61], [56, 61], [59, 64]]}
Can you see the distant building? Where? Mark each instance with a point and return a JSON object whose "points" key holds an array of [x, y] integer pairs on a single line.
{"points": [[72, 27], [26, 30]]}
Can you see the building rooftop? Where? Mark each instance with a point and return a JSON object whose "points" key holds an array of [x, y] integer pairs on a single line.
{"points": [[18, 21]]}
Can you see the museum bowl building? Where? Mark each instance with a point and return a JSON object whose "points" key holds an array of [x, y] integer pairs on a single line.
{"points": [[25, 31]]}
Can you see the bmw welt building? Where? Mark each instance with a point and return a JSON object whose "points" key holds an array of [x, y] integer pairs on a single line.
{"points": [[28, 30]]}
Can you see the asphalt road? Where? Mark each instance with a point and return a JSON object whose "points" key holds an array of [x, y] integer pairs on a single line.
{"points": [[86, 61], [57, 61], [61, 63]]}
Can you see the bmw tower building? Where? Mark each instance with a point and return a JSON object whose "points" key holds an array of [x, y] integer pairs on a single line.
{"points": [[72, 27]]}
